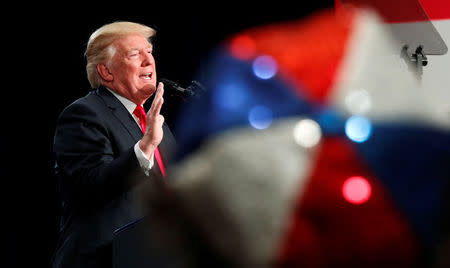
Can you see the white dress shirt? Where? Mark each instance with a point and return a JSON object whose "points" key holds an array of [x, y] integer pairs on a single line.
{"points": [[145, 163]]}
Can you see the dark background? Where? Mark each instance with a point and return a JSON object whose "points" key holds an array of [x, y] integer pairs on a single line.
{"points": [[46, 72]]}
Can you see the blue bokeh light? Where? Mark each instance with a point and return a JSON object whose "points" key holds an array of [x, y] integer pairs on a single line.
{"points": [[260, 117], [230, 95], [358, 128], [265, 67]]}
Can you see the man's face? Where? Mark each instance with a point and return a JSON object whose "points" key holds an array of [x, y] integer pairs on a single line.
{"points": [[133, 68]]}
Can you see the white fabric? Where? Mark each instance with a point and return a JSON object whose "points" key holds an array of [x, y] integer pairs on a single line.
{"points": [[249, 193]]}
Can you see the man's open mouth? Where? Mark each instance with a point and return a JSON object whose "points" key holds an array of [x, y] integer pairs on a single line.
{"points": [[147, 76]]}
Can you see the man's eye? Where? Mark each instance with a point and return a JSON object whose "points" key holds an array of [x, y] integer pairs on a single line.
{"points": [[133, 53]]}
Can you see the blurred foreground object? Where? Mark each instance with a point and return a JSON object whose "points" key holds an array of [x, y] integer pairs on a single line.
{"points": [[314, 146]]}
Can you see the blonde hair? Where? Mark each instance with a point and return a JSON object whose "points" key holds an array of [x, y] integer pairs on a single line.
{"points": [[98, 47]]}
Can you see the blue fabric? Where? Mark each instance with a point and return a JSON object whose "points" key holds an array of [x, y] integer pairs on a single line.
{"points": [[232, 90]]}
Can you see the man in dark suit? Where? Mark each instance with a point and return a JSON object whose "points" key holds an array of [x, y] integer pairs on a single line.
{"points": [[107, 149]]}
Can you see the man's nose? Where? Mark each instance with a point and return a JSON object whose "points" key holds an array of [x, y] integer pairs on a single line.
{"points": [[148, 59]]}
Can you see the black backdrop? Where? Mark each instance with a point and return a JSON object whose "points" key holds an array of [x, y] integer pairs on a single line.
{"points": [[46, 72]]}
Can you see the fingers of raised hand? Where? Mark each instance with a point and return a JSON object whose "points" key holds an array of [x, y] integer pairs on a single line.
{"points": [[160, 120], [157, 101]]}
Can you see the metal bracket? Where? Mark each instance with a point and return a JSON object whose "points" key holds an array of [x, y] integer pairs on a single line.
{"points": [[415, 61]]}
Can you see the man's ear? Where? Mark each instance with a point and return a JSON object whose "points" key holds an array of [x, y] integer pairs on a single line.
{"points": [[104, 72]]}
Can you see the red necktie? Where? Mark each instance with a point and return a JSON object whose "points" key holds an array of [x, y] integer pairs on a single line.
{"points": [[140, 113]]}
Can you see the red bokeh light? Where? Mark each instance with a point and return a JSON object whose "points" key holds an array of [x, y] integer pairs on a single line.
{"points": [[356, 190]]}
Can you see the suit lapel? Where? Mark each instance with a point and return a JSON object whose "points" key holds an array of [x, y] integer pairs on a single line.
{"points": [[121, 113]]}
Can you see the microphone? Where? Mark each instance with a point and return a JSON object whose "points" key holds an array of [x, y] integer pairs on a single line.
{"points": [[175, 89]]}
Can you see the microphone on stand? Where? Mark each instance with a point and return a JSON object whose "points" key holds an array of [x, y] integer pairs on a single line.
{"points": [[175, 89]]}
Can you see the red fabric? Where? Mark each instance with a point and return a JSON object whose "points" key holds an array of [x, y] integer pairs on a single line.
{"points": [[160, 162], [308, 52], [401, 11], [437, 9], [140, 113], [325, 230], [391, 11]]}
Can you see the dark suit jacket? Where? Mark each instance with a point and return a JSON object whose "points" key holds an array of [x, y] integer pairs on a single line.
{"points": [[99, 177]]}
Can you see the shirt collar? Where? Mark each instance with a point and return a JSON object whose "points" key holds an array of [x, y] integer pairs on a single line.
{"points": [[129, 105]]}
